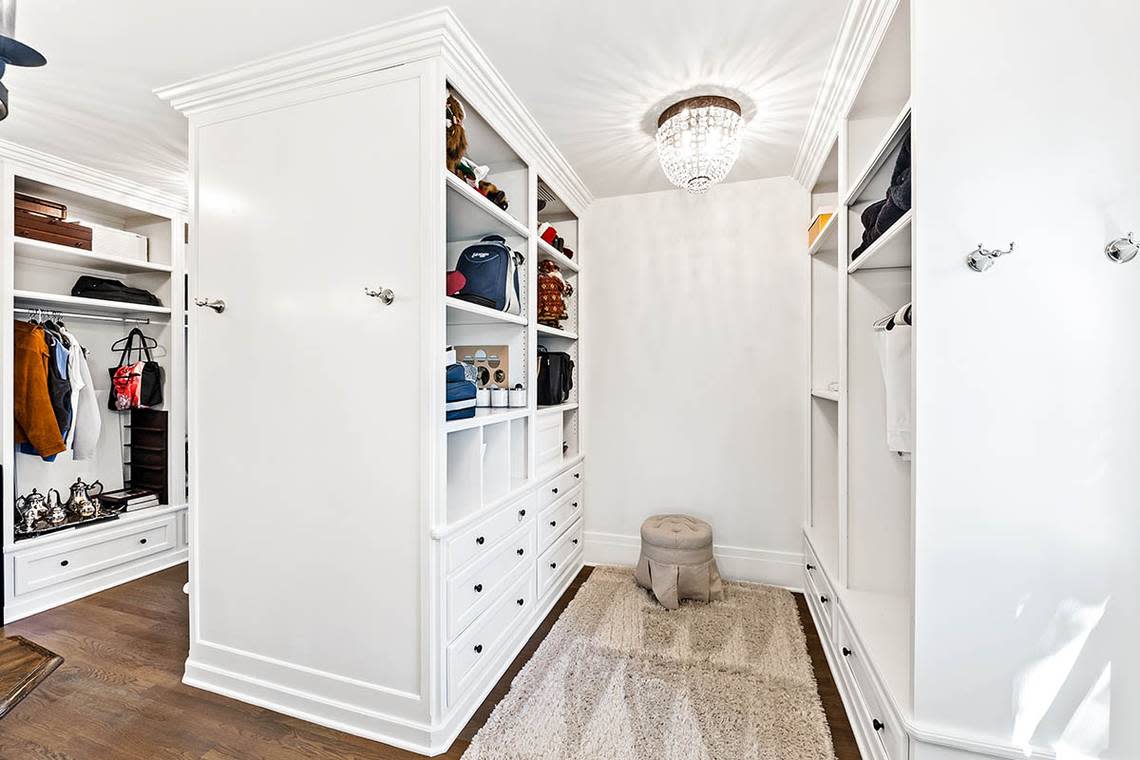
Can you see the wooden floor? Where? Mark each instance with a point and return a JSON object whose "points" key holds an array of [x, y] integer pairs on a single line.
{"points": [[119, 695]]}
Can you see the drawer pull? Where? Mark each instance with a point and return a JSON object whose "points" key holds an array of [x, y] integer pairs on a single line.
{"points": [[553, 523], [846, 652], [554, 490], [575, 505], [824, 599], [878, 724], [64, 563], [519, 552], [574, 541], [142, 540], [577, 475], [520, 602], [478, 588], [522, 513], [478, 649], [480, 540], [810, 567], [553, 565]]}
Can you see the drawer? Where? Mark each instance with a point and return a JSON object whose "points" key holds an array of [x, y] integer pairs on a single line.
{"points": [[481, 538], [880, 724], [559, 485], [484, 640], [61, 563], [474, 589], [555, 560], [818, 590], [553, 521]]}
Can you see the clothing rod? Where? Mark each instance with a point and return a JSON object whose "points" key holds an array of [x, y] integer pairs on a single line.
{"points": [[95, 317]]}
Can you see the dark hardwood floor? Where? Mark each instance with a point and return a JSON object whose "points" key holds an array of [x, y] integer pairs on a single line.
{"points": [[119, 694]]}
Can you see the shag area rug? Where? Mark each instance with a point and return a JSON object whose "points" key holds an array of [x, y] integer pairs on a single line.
{"points": [[621, 678]]}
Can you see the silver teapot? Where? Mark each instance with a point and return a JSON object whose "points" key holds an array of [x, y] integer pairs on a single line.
{"points": [[36, 506], [82, 500], [56, 512]]}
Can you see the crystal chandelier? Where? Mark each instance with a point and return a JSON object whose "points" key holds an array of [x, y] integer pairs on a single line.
{"points": [[698, 140]]}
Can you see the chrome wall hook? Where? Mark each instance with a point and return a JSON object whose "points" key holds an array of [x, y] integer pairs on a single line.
{"points": [[1122, 250], [385, 295], [981, 259]]}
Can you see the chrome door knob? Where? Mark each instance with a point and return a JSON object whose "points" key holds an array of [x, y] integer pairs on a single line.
{"points": [[219, 305], [384, 294]]}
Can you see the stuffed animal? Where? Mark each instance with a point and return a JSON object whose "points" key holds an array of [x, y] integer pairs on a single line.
{"points": [[456, 135], [553, 290], [494, 194]]}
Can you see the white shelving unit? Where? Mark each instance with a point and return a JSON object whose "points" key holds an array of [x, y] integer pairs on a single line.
{"points": [[44, 571]]}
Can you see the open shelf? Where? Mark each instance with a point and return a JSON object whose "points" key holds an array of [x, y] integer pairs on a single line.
{"points": [[891, 251], [460, 312], [827, 240], [556, 333], [94, 306], [547, 252], [895, 133], [568, 406], [51, 253], [486, 417], [824, 394], [470, 216]]}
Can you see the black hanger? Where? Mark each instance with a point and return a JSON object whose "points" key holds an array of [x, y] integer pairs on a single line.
{"points": [[148, 342]]}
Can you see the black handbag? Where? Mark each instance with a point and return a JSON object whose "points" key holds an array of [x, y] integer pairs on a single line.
{"points": [[150, 377], [112, 290], [555, 376]]}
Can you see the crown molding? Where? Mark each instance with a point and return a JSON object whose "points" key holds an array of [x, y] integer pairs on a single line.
{"points": [[862, 29], [99, 182], [434, 33]]}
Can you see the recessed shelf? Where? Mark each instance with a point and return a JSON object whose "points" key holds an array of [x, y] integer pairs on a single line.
{"points": [[827, 240], [51, 253], [28, 298], [547, 252], [554, 332], [460, 312], [569, 406], [470, 216], [486, 417], [894, 135], [890, 251], [824, 394]]}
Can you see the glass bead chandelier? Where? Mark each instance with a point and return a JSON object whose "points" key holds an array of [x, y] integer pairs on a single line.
{"points": [[698, 140]]}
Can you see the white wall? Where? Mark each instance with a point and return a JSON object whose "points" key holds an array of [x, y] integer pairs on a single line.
{"points": [[1028, 486], [695, 370]]}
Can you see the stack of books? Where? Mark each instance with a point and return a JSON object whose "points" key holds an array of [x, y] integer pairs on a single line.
{"points": [[129, 499]]}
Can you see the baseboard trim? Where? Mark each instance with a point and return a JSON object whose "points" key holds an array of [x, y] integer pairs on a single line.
{"points": [[736, 563]]}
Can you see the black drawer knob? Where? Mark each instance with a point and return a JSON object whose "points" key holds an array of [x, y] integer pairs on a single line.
{"points": [[577, 475], [824, 599], [478, 588], [64, 563], [553, 565], [575, 504], [574, 541], [480, 540], [846, 652], [810, 566], [554, 490], [142, 540], [520, 602], [878, 724], [522, 513], [553, 523], [519, 552], [478, 649]]}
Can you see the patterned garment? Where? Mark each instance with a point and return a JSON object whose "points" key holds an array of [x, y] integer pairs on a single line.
{"points": [[553, 290]]}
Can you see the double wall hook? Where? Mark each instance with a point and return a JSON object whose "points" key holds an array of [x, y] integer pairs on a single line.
{"points": [[1122, 250], [981, 259]]}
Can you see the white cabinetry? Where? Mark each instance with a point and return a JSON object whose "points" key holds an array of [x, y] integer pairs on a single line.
{"points": [[364, 563]]}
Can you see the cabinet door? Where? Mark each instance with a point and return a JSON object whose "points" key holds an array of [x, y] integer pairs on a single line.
{"points": [[308, 394]]}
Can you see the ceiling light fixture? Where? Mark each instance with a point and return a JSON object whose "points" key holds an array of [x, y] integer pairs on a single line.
{"points": [[698, 140], [12, 51]]}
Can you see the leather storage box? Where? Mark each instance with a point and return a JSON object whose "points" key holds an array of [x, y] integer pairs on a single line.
{"points": [[33, 205], [38, 227]]}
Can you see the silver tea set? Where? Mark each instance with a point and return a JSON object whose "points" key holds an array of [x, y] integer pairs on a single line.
{"points": [[38, 511]]}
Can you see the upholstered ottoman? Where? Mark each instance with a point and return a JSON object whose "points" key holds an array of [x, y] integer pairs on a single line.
{"points": [[677, 560]]}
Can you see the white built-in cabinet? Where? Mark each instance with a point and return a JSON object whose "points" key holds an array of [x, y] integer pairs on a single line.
{"points": [[979, 600], [356, 560], [43, 571]]}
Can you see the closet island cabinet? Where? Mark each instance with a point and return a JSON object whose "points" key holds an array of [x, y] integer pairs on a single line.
{"points": [[358, 560], [123, 232]]}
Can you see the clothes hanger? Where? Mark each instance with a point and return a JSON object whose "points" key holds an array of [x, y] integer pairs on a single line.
{"points": [[902, 316]]}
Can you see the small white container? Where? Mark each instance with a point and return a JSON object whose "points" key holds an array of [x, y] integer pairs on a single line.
{"points": [[517, 397], [499, 398], [483, 398]]}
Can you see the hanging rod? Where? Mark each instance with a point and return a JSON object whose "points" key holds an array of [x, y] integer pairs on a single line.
{"points": [[95, 317]]}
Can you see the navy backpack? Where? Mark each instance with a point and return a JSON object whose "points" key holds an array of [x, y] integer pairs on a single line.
{"points": [[492, 272]]}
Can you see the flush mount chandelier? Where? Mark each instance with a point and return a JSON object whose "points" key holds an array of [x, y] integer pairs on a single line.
{"points": [[698, 140]]}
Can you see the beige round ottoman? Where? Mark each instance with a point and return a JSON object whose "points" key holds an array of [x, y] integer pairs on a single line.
{"points": [[677, 560]]}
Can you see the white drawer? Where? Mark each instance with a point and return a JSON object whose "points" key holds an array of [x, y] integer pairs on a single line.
{"points": [[880, 724], [560, 485], [61, 563], [818, 590], [559, 558], [479, 539], [555, 519], [485, 639], [474, 589]]}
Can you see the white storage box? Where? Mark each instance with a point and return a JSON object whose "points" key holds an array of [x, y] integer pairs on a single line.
{"points": [[108, 241], [548, 440]]}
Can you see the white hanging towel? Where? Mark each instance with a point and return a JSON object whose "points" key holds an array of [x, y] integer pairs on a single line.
{"points": [[86, 421], [895, 360]]}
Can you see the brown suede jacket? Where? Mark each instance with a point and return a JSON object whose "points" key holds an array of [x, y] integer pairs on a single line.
{"points": [[35, 419]]}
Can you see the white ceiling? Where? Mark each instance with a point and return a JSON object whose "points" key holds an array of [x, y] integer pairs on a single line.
{"points": [[595, 73]]}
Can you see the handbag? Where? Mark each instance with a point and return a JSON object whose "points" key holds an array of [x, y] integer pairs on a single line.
{"points": [[555, 377], [135, 384]]}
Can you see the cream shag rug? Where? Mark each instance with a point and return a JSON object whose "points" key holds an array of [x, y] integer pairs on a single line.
{"points": [[621, 678]]}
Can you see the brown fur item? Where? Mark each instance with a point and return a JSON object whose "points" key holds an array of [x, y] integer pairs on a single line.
{"points": [[494, 194], [456, 135]]}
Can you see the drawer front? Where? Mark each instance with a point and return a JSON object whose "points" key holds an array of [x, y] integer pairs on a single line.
{"points": [[880, 723], [474, 589], [53, 565], [548, 440], [554, 561], [484, 640], [479, 539], [555, 519], [818, 591], [559, 486]]}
